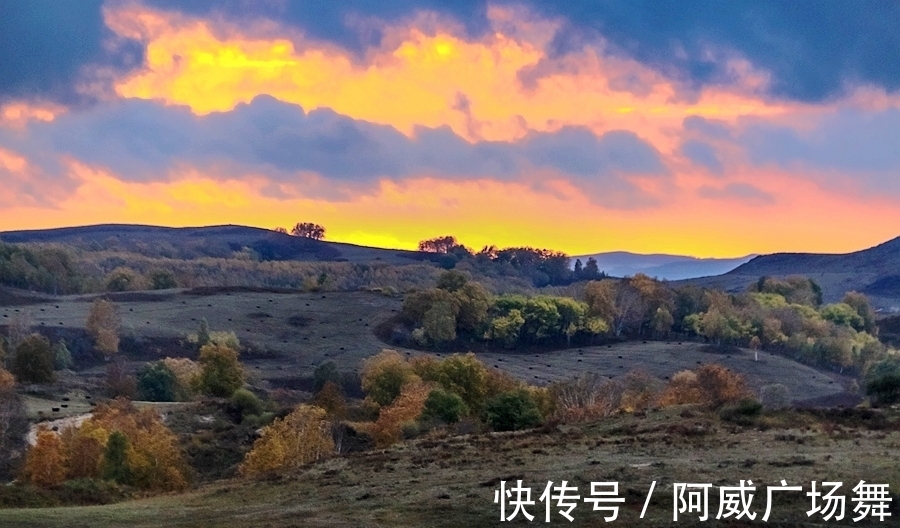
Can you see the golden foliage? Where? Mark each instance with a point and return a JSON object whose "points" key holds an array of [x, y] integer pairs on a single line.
{"points": [[45, 463], [332, 400], [222, 373], [103, 324], [153, 456], [301, 437], [683, 389], [384, 376], [186, 371], [720, 385], [711, 385], [406, 408]]}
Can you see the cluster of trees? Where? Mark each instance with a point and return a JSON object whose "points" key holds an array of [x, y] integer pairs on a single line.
{"points": [[48, 269], [541, 267], [459, 307], [117, 443], [217, 373], [305, 229], [785, 315]]}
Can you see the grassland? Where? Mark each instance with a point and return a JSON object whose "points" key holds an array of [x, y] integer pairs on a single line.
{"points": [[450, 481], [289, 334]]}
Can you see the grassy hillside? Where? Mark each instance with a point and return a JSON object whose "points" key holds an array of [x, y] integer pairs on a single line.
{"points": [[450, 481]]}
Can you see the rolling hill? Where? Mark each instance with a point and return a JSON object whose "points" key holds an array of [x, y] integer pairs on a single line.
{"points": [[213, 241], [874, 271]]}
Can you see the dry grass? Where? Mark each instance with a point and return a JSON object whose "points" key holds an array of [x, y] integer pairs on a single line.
{"points": [[450, 481]]}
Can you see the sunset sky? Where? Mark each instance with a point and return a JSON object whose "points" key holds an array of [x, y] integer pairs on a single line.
{"points": [[706, 128]]}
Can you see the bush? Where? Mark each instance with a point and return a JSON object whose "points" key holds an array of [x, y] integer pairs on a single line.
{"points": [[246, 403], [34, 359], [384, 376], [324, 373], [157, 383], [511, 411], [885, 389], [62, 358], [444, 406], [741, 412], [720, 385], [222, 373], [775, 396]]}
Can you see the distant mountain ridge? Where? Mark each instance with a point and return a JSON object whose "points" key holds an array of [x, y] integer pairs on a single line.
{"points": [[874, 271], [662, 266]]}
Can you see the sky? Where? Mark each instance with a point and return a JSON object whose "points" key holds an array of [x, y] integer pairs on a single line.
{"points": [[697, 127]]}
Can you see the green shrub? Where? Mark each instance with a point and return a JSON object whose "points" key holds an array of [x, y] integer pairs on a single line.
{"points": [[246, 403], [62, 357], [115, 459], [157, 383], [444, 406], [324, 373], [741, 412], [34, 359], [222, 373], [513, 410], [885, 389]]}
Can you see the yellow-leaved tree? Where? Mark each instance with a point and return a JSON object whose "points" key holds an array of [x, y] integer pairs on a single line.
{"points": [[45, 463], [103, 324], [299, 438], [152, 459]]}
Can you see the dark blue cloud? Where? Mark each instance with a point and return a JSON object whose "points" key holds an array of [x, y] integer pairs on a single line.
{"points": [[813, 50], [45, 44], [338, 21], [145, 141], [702, 154], [849, 141]]}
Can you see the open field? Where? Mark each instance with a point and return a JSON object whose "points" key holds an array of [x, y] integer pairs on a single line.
{"points": [[451, 481], [289, 334]]}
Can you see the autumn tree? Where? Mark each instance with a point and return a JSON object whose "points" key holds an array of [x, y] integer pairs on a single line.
{"points": [[45, 463], [405, 409], [864, 309], [221, 372], [384, 375], [465, 376], [331, 398], [33, 361], [308, 230], [103, 324], [152, 458], [299, 438]]}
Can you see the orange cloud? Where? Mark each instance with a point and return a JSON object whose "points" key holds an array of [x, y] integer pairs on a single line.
{"points": [[495, 88], [18, 114]]}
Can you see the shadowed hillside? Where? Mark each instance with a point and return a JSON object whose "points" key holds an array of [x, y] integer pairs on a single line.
{"points": [[214, 241], [874, 271]]}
